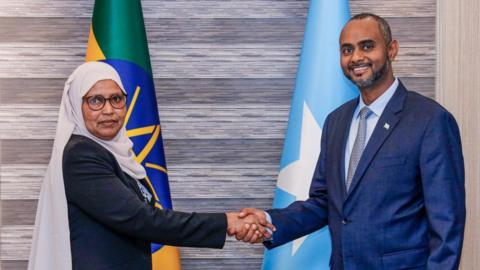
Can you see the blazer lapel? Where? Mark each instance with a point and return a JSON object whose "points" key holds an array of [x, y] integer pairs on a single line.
{"points": [[386, 124], [133, 185]]}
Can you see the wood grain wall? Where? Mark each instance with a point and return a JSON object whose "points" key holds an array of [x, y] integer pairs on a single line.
{"points": [[458, 89], [224, 73]]}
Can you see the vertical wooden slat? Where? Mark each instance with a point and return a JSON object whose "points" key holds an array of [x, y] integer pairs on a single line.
{"points": [[458, 89]]}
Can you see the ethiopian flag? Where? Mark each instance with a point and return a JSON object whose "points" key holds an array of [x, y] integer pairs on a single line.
{"points": [[117, 37]]}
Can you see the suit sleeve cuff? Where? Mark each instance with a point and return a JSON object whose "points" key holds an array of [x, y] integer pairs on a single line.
{"points": [[269, 219]]}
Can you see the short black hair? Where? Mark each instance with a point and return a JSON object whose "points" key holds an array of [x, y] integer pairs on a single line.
{"points": [[382, 24]]}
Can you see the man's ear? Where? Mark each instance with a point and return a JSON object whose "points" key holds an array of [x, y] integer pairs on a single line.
{"points": [[392, 50]]}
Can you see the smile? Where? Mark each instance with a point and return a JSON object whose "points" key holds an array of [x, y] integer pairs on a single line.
{"points": [[359, 70]]}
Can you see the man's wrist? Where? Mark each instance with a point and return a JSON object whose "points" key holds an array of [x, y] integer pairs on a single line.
{"points": [[269, 220]]}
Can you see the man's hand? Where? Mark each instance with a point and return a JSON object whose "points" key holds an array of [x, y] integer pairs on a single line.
{"points": [[247, 228], [260, 220], [260, 214]]}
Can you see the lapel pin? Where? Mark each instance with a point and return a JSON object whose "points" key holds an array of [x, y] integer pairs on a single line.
{"points": [[386, 126]]}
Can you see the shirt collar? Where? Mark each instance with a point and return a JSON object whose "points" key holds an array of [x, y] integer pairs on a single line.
{"points": [[380, 103]]}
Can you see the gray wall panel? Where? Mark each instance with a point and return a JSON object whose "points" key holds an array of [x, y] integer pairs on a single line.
{"points": [[15, 242], [46, 60], [187, 181], [211, 151], [26, 152], [13, 265], [269, 92], [214, 9], [178, 122], [196, 31]]}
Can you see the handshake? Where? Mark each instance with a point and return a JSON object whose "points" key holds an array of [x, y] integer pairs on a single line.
{"points": [[250, 225]]}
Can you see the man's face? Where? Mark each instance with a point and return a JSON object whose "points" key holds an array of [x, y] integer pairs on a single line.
{"points": [[364, 56]]}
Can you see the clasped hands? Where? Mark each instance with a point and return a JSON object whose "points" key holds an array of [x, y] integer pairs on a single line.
{"points": [[249, 225]]}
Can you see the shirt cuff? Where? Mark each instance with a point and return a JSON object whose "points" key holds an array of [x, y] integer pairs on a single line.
{"points": [[269, 219]]}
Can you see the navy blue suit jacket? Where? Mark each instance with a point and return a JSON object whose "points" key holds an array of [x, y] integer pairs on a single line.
{"points": [[406, 204]]}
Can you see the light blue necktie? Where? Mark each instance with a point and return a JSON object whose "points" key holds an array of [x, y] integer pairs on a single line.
{"points": [[358, 145]]}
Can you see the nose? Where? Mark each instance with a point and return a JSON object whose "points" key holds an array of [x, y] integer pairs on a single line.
{"points": [[357, 56], [107, 108]]}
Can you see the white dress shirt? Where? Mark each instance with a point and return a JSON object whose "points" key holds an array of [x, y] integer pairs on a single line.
{"points": [[377, 107]]}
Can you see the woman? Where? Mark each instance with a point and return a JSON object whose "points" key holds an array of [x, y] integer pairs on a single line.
{"points": [[94, 211]]}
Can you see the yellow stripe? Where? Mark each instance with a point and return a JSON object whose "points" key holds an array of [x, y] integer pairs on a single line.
{"points": [[155, 166], [166, 258], [153, 189], [140, 131], [146, 150], [132, 104], [94, 52]]}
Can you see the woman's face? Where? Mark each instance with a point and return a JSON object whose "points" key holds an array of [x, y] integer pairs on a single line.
{"points": [[104, 122]]}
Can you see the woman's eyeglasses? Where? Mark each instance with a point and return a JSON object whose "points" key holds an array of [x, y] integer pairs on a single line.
{"points": [[97, 102]]}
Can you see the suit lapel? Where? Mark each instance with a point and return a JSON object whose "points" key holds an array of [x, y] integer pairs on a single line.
{"points": [[386, 124], [133, 185]]}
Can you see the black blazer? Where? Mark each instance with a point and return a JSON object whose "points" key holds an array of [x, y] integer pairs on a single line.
{"points": [[111, 226]]}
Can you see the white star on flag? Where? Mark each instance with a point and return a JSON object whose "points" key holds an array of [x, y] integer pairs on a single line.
{"points": [[297, 176]]}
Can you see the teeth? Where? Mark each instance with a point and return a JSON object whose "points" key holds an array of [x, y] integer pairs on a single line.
{"points": [[359, 70]]}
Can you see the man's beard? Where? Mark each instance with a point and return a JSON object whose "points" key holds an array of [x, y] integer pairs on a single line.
{"points": [[373, 79]]}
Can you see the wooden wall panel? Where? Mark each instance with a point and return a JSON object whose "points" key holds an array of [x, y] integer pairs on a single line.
{"points": [[179, 122], [186, 31], [224, 73], [215, 8], [177, 151], [22, 182], [458, 90], [184, 91], [43, 60]]}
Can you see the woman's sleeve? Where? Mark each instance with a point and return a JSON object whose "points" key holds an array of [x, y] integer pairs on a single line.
{"points": [[91, 184]]}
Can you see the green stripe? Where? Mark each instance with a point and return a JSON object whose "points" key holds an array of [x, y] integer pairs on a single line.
{"points": [[120, 31]]}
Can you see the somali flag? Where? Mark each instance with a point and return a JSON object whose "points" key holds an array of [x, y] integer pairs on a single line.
{"points": [[117, 36], [320, 88]]}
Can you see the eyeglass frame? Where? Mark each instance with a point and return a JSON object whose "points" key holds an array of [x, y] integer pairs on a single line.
{"points": [[105, 102]]}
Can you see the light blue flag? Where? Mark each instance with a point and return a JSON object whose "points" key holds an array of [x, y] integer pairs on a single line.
{"points": [[320, 88]]}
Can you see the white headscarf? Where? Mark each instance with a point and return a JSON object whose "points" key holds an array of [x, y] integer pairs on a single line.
{"points": [[51, 238]]}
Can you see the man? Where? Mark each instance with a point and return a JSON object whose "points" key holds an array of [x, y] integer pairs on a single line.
{"points": [[389, 181]]}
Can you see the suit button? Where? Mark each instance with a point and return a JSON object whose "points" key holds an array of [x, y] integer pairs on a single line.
{"points": [[344, 221]]}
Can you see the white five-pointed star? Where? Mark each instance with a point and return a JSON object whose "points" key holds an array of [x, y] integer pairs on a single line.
{"points": [[297, 176]]}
